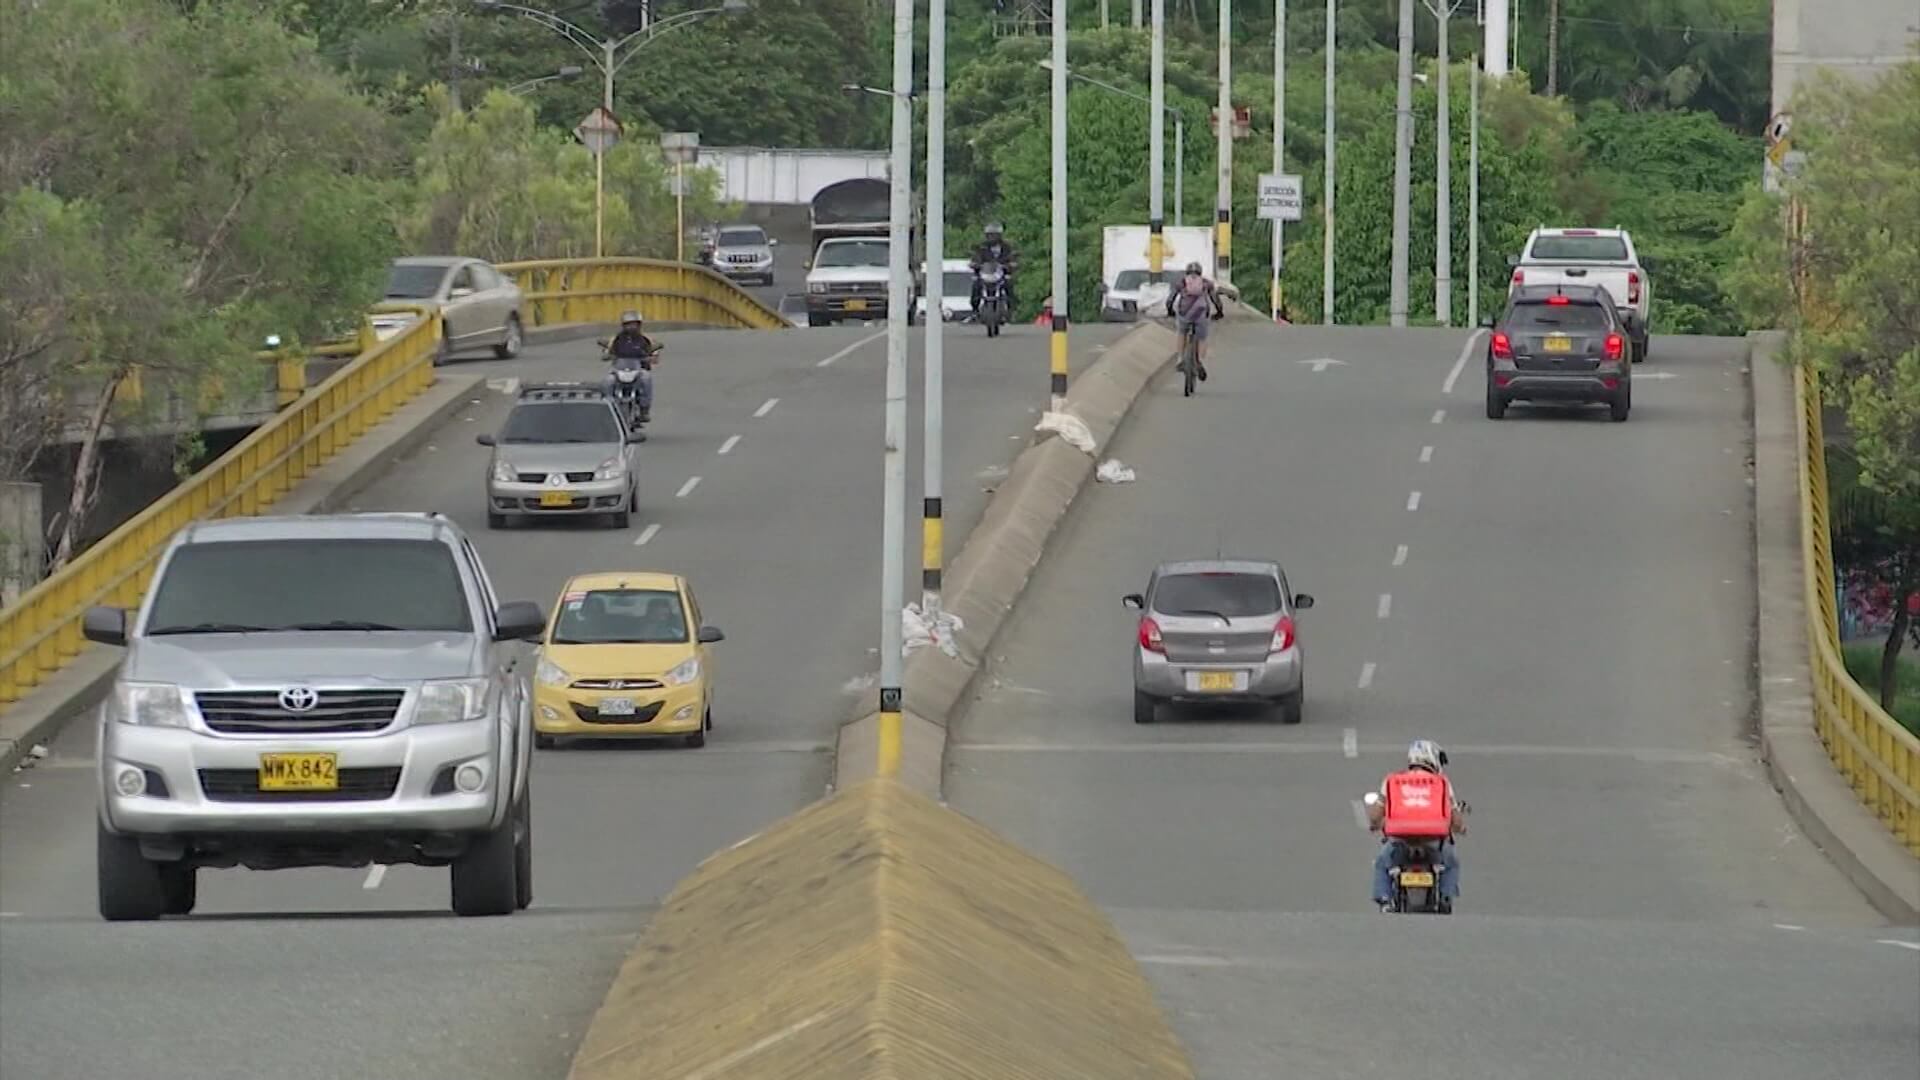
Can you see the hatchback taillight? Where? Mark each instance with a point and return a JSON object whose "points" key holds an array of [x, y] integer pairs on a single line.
{"points": [[1616, 346], [1282, 635], [1150, 636], [1502, 345]]}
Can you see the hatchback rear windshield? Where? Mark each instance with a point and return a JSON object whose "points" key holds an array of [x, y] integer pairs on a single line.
{"points": [[622, 616], [1545, 317], [1231, 595], [1579, 248], [235, 586]]}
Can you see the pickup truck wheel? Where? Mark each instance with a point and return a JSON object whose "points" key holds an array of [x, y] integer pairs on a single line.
{"points": [[1640, 350], [484, 878], [131, 889]]}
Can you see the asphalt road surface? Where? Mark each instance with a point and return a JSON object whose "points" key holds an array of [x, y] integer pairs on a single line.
{"points": [[1566, 604], [762, 482]]}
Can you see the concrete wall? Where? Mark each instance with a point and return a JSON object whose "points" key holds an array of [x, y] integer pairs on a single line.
{"points": [[786, 177]]}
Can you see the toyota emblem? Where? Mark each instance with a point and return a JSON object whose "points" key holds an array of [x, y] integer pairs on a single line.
{"points": [[299, 698]]}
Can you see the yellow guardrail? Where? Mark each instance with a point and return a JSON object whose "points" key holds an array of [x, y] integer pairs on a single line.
{"points": [[1878, 757], [40, 634], [560, 291]]}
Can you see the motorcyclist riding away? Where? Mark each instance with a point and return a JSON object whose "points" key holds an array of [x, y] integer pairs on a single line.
{"points": [[1188, 302], [995, 248], [1417, 803], [627, 347]]}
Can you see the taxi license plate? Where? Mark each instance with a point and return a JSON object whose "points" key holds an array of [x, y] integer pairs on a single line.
{"points": [[1216, 680], [1559, 343], [856, 305], [616, 706], [556, 498], [1416, 878], [299, 772]]}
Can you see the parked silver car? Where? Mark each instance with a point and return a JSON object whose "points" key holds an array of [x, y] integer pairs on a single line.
{"points": [[563, 451], [1218, 631], [479, 306], [744, 253], [329, 690]]}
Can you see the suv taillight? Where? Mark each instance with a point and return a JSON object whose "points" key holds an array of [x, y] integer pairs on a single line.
{"points": [[1282, 635], [1633, 287], [1616, 345], [1150, 636], [1502, 345]]}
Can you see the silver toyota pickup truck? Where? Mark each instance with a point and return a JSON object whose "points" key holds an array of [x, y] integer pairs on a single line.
{"points": [[338, 690]]}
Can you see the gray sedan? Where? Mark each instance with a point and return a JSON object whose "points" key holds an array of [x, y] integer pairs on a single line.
{"points": [[1219, 631], [479, 306], [562, 452]]}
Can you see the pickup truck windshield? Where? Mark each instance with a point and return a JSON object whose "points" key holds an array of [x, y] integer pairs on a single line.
{"points": [[1578, 249], [241, 586], [857, 253]]}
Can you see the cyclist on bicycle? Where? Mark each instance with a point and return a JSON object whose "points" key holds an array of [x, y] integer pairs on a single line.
{"points": [[1188, 302]]}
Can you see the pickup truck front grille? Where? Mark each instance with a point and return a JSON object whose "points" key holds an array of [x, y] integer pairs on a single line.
{"points": [[259, 712], [856, 288], [356, 785]]}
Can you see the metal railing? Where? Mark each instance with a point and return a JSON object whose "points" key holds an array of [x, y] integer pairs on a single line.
{"points": [[1876, 755], [561, 291]]}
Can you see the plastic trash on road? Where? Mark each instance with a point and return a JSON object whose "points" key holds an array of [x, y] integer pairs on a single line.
{"points": [[1069, 427], [920, 631], [1111, 471]]}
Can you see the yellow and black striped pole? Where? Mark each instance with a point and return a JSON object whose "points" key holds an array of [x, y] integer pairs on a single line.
{"points": [[1223, 201], [1058, 336], [1157, 147]]}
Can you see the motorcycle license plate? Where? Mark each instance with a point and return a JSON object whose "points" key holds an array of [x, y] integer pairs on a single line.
{"points": [[1411, 878], [556, 498], [856, 305]]}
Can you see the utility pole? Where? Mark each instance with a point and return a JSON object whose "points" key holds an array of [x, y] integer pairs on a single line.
{"points": [[1057, 338], [1104, 23], [899, 311], [1279, 137], [1179, 168], [1327, 186], [1473, 193], [932, 526], [1223, 193], [1443, 177], [1494, 48], [1553, 47], [1136, 14], [1157, 143], [1402, 171], [455, 66]]}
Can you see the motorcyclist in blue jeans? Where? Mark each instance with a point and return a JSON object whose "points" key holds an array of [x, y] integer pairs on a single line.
{"points": [[631, 345], [1419, 802]]}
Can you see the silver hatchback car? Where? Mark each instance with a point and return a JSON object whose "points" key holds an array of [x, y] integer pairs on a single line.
{"points": [[562, 452], [1218, 631]]}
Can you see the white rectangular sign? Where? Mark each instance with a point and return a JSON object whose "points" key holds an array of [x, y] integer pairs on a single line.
{"points": [[1280, 197]]}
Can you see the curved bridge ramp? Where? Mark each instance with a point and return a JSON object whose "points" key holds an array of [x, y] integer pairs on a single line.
{"points": [[877, 935]]}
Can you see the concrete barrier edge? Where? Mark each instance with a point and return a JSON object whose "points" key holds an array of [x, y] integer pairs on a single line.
{"points": [[1816, 795]]}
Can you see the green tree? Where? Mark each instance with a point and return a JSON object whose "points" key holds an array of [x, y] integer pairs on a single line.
{"points": [[1847, 285], [1657, 54]]}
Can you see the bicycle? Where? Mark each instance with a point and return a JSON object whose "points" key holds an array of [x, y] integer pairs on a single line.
{"points": [[1189, 356]]}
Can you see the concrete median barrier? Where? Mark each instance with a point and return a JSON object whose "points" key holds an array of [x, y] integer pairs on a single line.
{"points": [[986, 578], [877, 935]]}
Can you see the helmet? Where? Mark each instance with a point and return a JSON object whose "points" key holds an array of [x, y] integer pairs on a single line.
{"points": [[994, 229], [1194, 268], [1426, 754], [629, 316]]}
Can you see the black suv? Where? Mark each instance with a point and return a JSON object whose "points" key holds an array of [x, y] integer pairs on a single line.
{"points": [[1561, 343]]}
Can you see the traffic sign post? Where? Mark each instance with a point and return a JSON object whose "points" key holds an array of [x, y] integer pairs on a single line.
{"points": [[599, 131], [681, 148]]}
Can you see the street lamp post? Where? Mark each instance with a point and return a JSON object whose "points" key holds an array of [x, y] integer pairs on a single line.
{"points": [[1057, 339], [1156, 140], [565, 74], [605, 54], [899, 312]]}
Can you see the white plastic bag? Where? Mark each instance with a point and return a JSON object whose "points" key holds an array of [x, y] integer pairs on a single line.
{"points": [[1070, 428], [920, 631], [1111, 471]]}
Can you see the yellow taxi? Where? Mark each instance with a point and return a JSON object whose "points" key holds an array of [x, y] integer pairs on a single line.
{"points": [[625, 655]]}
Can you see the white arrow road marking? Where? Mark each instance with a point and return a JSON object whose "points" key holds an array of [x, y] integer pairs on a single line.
{"points": [[1321, 363], [504, 386]]}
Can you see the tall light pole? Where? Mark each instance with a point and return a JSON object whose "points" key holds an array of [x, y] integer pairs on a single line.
{"points": [[1495, 46], [1279, 136], [1057, 338], [1179, 144], [899, 312], [1136, 14], [568, 73], [1402, 171], [605, 54], [1156, 143], [1327, 186], [1223, 194], [1443, 175], [1473, 193], [932, 536]]}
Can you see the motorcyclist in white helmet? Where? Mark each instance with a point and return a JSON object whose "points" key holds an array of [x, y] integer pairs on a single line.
{"points": [[1393, 815]]}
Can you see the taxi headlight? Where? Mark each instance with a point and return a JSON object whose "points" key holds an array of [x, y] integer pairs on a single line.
{"points": [[684, 672], [551, 674], [148, 704], [452, 701], [504, 472]]}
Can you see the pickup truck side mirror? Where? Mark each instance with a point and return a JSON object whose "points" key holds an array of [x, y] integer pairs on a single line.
{"points": [[105, 625], [519, 620], [773, 241]]}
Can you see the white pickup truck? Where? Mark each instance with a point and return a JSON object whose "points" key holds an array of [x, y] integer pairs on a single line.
{"points": [[1603, 257]]}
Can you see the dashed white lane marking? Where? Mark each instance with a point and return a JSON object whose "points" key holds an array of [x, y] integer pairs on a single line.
{"points": [[1386, 605], [875, 336], [1914, 945], [375, 876], [647, 534], [9, 914], [766, 408], [1439, 415], [1460, 364], [1350, 743], [1426, 454], [1413, 501], [686, 489], [1787, 926], [1366, 675], [1400, 555], [732, 441]]}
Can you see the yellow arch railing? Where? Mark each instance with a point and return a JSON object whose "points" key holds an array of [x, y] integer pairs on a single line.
{"points": [[40, 634], [1878, 757]]}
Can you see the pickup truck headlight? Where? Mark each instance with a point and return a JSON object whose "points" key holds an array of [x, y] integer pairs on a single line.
{"points": [[684, 672], [816, 286], [452, 701], [611, 469], [504, 472], [551, 674], [148, 705]]}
